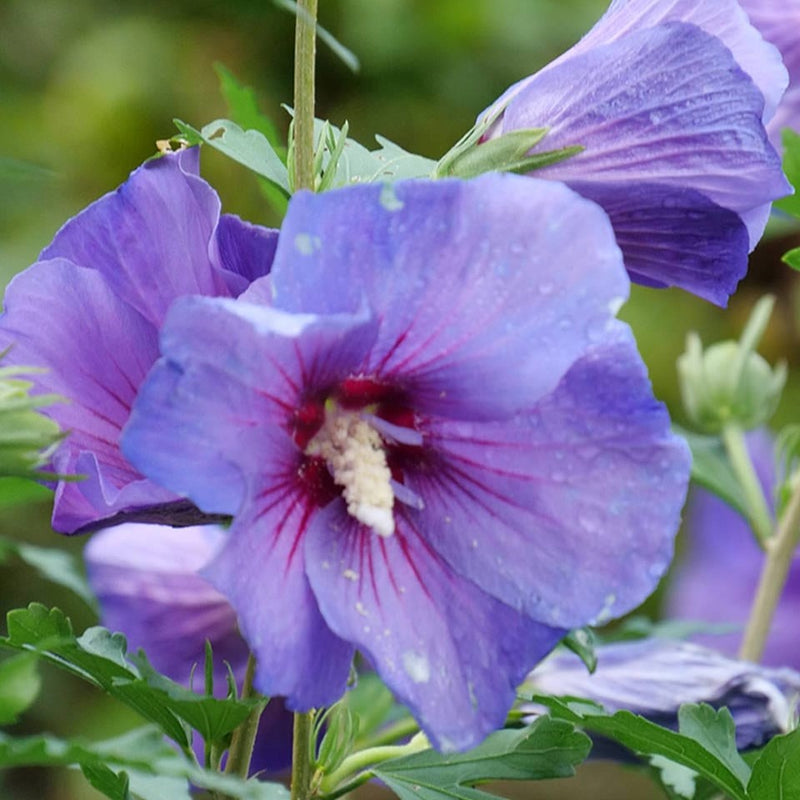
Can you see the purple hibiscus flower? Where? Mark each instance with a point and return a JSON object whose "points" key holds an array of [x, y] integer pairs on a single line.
{"points": [[669, 100], [89, 311], [146, 580], [716, 580], [439, 445], [654, 677], [778, 21]]}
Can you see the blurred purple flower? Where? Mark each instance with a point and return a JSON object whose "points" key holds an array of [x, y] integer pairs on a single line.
{"points": [[669, 98], [440, 446], [717, 577], [654, 677], [146, 579], [779, 21], [89, 311]]}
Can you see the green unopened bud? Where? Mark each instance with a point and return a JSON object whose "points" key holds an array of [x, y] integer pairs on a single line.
{"points": [[338, 739], [729, 382]]}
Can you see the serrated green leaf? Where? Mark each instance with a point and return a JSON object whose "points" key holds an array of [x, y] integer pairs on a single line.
{"points": [[711, 469], [646, 738], [547, 749], [791, 166], [156, 770], [19, 686], [212, 718], [98, 657], [776, 773], [249, 148]]}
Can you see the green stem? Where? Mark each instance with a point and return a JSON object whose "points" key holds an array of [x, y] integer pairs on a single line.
{"points": [[244, 737], [367, 758], [780, 553], [301, 756], [305, 43], [758, 513], [391, 733]]}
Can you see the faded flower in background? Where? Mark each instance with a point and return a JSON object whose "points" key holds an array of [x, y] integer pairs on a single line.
{"points": [[654, 677], [669, 101], [716, 578], [426, 421], [146, 580], [89, 311]]}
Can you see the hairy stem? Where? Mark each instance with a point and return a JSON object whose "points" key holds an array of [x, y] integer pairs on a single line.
{"points": [[305, 43], [301, 756]]}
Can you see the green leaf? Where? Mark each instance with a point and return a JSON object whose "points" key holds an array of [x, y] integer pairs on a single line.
{"points": [[155, 770], [547, 749], [19, 686], [776, 773], [54, 565], [715, 729], [581, 642], [791, 166], [244, 111], [356, 164], [13, 170], [792, 258], [249, 148], [105, 780], [14, 491], [213, 718], [99, 656], [711, 469]]}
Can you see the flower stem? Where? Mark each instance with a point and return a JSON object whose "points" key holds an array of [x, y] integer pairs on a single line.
{"points": [[758, 513], [301, 756], [244, 737], [391, 733], [780, 552], [305, 44], [357, 762]]}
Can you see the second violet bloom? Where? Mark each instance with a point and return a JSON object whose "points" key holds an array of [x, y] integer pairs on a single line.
{"points": [[440, 447], [669, 101]]}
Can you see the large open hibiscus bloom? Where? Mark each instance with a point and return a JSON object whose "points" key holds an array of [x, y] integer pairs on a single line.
{"points": [[439, 445]]}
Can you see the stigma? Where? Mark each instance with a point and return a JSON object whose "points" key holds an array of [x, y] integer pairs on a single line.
{"points": [[356, 457]]}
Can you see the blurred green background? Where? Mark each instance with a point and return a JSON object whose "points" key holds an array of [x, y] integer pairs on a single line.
{"points": [[88, 86]]}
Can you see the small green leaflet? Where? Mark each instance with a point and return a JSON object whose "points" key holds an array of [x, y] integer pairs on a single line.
{"points": [[249, 148], [547, 749]]}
